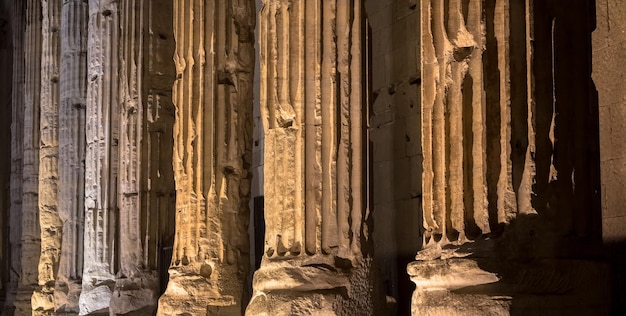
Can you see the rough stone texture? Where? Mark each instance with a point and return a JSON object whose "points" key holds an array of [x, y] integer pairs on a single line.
{"points": [[71, 183], [510, 147], [49, 220], [17, 126], [128, 210], [312, 96], [509, 121], [101, 162], [214, 61], [31, 237], [609, 41]]}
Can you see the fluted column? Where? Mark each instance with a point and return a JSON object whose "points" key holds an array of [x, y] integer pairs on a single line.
{"points": [[73, 86], [146, 181], [101, 246], [312, 102], [214, 61], [498, 191], [31, 236], [51, 224], [17, 125]]}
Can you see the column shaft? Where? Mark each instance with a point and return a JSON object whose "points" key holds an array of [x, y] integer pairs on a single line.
{"points": [[16, 168], [214, 61], [31, 236], [50, 223], [312, 103]]}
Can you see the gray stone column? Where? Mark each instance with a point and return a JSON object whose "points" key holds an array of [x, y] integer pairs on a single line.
{"points": [[31, 236], [71, 183], [101, 246], [312, 101], [212, 94]]}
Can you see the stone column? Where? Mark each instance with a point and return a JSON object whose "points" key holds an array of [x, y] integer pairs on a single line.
{"points": [[212, 94], [71, 183], [50, 223], [146, 182], [17, 122], [101, 243], [312, 103], [495, 196], [31, 236]]}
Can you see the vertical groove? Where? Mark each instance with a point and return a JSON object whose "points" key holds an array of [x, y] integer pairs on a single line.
{"points": [[430, 68], [329, 133], [357, 153], [311, 94]]}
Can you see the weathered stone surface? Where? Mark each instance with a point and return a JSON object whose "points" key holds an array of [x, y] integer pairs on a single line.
{"points": [[505, 140], [31, 236], [50, 223], [311, 95], [16, 101], [214, 61], [130, 122], [71, 183], [508, 175]]}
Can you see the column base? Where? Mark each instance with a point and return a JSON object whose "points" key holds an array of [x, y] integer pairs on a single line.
{"points": [[488, 286], [97, 290], [315, 285], [191, 290], [134, 296]]}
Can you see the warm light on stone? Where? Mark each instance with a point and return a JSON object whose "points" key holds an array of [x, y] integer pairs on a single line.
{"points": [[312, 157]]}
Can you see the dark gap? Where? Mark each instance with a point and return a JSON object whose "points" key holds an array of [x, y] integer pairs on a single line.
{"points": [[450, 232], [542, 74], [446, 16], [6, 78], [259, 230], [472, 231], [592, 148], [492, 94], [519, 92], [465, 8], [568, 98]]}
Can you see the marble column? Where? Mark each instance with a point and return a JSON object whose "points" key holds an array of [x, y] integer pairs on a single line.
{"points": [[312, 101], [212, 95]]}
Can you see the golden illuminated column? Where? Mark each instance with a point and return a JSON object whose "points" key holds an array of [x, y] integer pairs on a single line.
{"points": [[466, 137], [212, 95], [312, 103], [466, 118]]}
